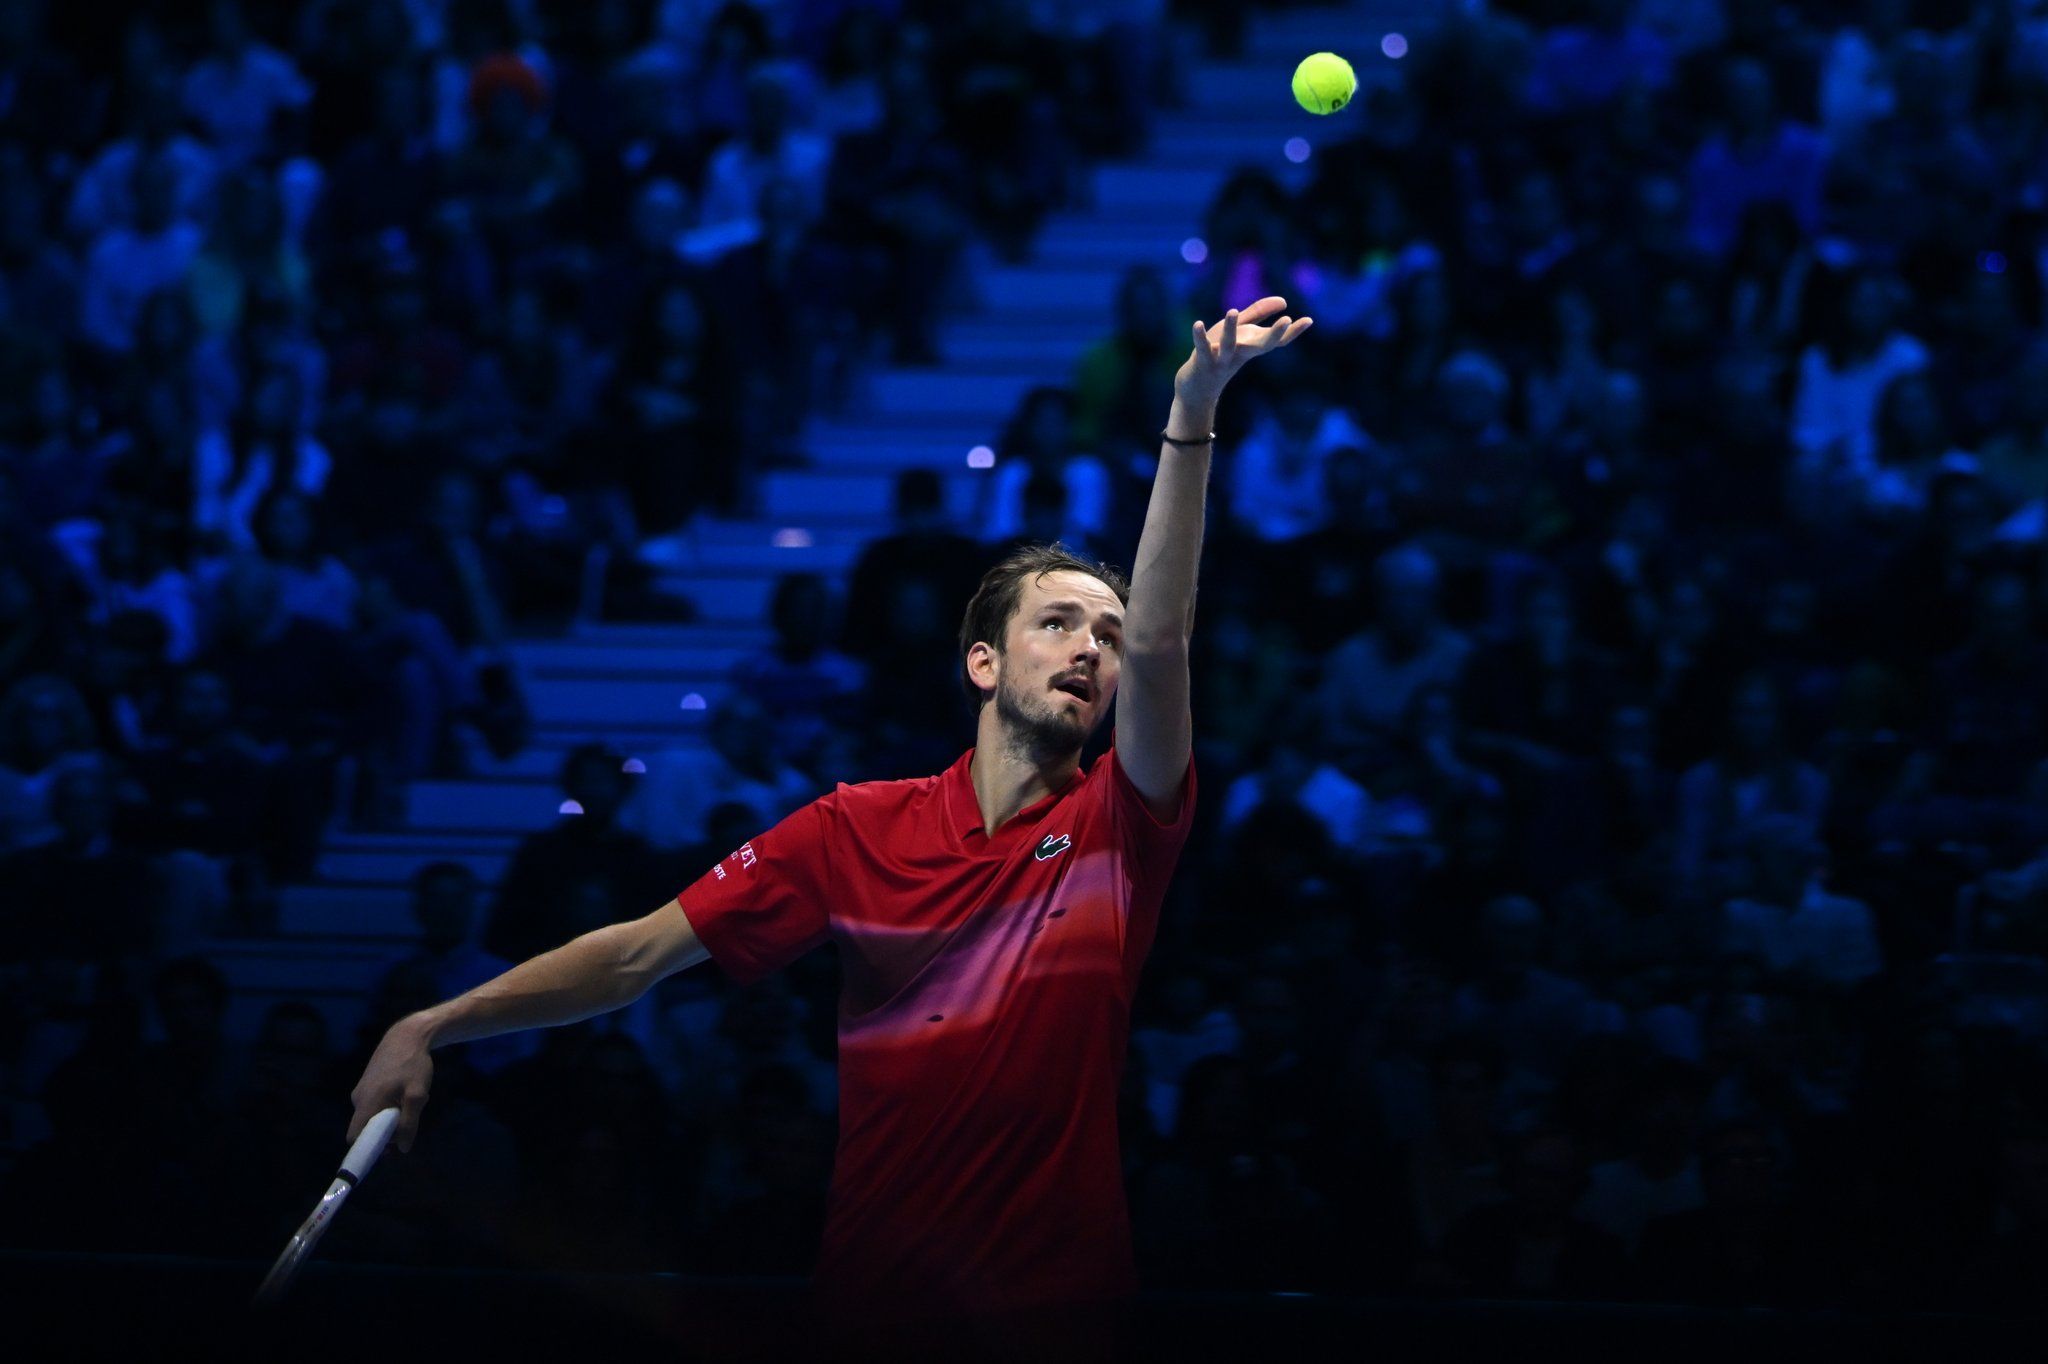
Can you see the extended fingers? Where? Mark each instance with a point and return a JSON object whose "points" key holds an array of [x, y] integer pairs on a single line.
{"points": [[1263, 309], [1229, 348]]}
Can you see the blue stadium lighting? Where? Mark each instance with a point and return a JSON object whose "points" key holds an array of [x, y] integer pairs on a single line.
{"points": [[1194, 250], [791, 537], [1395, 46], [569, 807], [633, 767], [981, 457], [693, 701], [1297, 149], [1992, 262]]}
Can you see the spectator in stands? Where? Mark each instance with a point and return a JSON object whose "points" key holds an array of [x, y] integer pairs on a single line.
{"points": [[43, 721], [237, 90], [1745, 1246], [672, 804], [1789, 922], [1118, 379], [1193, 1199], [1754, 776], [901, 614], [83, 902], [1370, 679], [586, 842], [268, 448], [1455, 1164], [104, 195], [126, 263], [1532, 1244], [1755, 156], [770, 148], [2006, 1269], [673, 420], [1842, 376], [1277, 480], [1532, 1015], [1039, 441], [446, 907], [205, 779], [1660, 1175], [511, 176], [900, 194], [806, 687]]}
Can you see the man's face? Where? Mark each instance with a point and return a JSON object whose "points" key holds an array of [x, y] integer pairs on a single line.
{"points": [[1057, 674]]}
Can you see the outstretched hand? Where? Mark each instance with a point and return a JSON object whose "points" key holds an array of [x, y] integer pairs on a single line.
{"points": [[1224, 349]]}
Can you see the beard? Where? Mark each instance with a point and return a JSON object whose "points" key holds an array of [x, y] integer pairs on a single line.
{"points": [[1044, 731]]}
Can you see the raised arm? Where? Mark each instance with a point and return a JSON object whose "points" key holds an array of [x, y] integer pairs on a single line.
{"points": [[1154, 725], [605, 969]]}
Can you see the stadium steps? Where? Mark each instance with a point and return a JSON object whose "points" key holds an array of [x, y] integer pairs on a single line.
{"points": [[626, 684]]}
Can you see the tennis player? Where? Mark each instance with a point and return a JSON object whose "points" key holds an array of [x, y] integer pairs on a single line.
{"points": [[991, 922]]}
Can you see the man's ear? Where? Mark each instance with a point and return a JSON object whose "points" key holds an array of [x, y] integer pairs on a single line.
{"points": [[984, 666]]}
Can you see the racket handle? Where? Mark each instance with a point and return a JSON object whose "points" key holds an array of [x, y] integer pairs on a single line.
{"points": [[370, 1144]]}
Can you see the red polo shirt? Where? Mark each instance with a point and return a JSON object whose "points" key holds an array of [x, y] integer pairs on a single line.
{"points": [[983, 1019]]}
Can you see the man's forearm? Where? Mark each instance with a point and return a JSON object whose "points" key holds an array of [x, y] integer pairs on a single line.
{"points": [[1170, 548], [584, 977]]}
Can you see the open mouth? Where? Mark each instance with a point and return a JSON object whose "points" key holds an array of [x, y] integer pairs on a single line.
{"points": [[1076, 686]]}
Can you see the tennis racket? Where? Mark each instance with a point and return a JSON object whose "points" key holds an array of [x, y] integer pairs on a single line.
{"points": [[361, 1156]]}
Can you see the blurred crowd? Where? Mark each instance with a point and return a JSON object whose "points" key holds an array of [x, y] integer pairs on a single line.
{"points": [[1622, 871]]}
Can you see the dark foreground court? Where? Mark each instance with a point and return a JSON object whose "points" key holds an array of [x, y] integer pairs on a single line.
{"points": [[151, 1307]]}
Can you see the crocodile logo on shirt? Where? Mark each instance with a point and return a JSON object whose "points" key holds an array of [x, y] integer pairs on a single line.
{"points": [[1052, 847]]}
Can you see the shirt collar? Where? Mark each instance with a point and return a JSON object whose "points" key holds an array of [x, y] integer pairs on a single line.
{"points": [[964, 811]]}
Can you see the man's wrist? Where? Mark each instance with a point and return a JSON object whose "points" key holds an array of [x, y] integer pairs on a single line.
{"points": [[423, 1027], [1193, 417]]}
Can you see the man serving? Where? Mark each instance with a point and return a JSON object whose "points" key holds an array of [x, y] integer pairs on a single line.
{"points": [[991, 923]]}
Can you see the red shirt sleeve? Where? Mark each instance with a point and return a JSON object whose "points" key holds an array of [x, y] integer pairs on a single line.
{"points": [[764, 905]]}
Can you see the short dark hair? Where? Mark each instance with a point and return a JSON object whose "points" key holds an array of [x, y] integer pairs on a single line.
{"points": [[919, 490], [590, 754], [1002, 587], [429, 872]]}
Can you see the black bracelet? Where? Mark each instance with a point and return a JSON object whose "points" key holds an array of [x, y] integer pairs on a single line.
{"points": [[1206, 440]]}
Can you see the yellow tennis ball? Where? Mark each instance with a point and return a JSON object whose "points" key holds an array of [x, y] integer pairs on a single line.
{"points": [[1324, 83]]}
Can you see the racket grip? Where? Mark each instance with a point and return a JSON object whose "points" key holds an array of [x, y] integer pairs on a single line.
{"points": [[370, 1144]]}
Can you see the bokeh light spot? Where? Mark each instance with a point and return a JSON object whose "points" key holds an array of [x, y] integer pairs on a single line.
{"points": [[1194, 250], [1395, 46], [981, 457], [1296, 149]]}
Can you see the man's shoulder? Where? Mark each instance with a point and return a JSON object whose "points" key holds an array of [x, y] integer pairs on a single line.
{"points": [[871, 799]]}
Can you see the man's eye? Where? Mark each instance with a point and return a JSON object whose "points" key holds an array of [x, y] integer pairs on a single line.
{"points": [[1055, 625]]}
